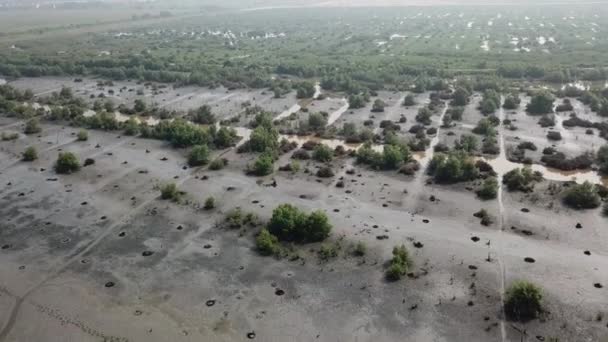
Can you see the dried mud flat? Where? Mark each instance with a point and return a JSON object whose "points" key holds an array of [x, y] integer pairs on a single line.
{"points": [[97, 255]]}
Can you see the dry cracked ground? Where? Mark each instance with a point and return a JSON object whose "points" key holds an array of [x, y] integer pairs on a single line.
{"points": [[98, 256]]}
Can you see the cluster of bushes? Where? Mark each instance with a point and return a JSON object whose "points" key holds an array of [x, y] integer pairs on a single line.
{"points": [[452, 167], [304, 89], [378, 106], [565, 106], [467, 142], [352, 135], [263, 165], [202, 115], [32, 126], [358, 100], [582, 196], [289, 223], [409, 100], [521, 179], [391, 158], [602, 159], [199, 155], [181, 133], [400, 264], [547, 121], [424, 116], [237, 219], [558, 160], [460, 97]]}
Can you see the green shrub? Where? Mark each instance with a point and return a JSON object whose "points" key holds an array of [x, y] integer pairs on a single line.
{"points": [[218, 164], [288, 223], [199, 155], [400, 264], [209, 203], [523, 301], [328, 251], [32, 126], [67, 163], [263, 165], [169, 191], [325, 172], [266, 243], [9, 136], [541, 103], [82, 135], [582, 196], [489, 189], [521, 179], [322, 153], [360, 249], [409, 101], [236, 219], [30, 154]]}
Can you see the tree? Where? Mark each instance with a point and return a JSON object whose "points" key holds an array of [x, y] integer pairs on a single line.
{"points": [[304, 90], [323, 153], [582, 196], [30, 154], [409, 100], [378, 106], [32, 126], [203, 115], [460, 97], [264, 138], [512, 102], [67, 163], [424, 116], [523, 301], [541, 103], [317, 121], [317, 226], [199, 155], [521, 179]]}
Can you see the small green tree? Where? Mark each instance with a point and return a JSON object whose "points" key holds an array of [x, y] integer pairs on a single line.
{"points": [[199, 155], [82, 135], [30, 154], [523, 301], [378, 106], [67, 163], [409, 100], [541, 103]]}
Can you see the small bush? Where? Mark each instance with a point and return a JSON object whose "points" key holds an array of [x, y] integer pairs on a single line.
{"points": [[527, 145], [82, 135], [523, 301], [399, 264], [489, 189], [199, 155], [322, 153], [325, 172], [328, 251], [67, 163], [30, 154], [209, 203], [554, 135], [582, 196], [263, 165], [236, 219], [169, 191], [32, 126], [360, 249], [266, 243], [9, 136], [218, 164], [485, 217]]}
